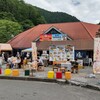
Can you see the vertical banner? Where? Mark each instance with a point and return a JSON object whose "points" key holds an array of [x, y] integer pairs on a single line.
{"points": [[96, 65], [34, 51]]}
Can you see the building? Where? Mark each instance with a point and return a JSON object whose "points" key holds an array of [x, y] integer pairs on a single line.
{"points": [[79, 34]]}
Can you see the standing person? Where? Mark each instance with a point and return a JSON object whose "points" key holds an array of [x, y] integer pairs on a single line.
{"points": [[10, 64], [75, 66], [18, 54], [68, 65], [1, 60], [40, 62], [18, 62]]}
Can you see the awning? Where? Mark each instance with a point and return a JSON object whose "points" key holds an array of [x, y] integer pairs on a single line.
{"points": [[5, 47], [27, 50]]}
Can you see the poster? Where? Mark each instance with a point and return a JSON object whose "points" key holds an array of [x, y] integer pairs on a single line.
{"points": [[69, 52], [34, 51], [61, 53], [96, 65]]}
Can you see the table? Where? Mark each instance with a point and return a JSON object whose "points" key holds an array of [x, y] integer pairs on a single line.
{"points": [[58, 62]]}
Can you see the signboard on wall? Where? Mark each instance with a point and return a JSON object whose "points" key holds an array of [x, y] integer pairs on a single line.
{"points": [[96, 65], [53, 37], [57, 37], [45, 37], [61, 53]]}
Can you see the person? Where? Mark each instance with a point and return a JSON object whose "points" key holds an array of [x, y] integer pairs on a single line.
{"points": [[10, 63], [18, 62], [86, 61], [18, 54], [1, 60], [75, 66], [68, 65], [24, 62], [40, 62], [90, 61], [34, 65]]}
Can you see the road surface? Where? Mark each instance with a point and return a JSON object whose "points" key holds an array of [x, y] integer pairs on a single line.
{"points": [[31, 90]]}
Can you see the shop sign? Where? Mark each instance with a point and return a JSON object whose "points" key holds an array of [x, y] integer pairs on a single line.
{"points": [[45, 37], [57, 37]]}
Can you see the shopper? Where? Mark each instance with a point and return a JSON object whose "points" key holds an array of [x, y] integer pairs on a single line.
{"points": [[75, 66], [68, 65]]}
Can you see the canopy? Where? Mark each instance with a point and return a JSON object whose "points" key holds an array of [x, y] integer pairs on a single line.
{"points": [[5, 47], [27, 50]]}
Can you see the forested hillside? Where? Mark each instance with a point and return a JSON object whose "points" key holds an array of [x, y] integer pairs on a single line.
{"points": [[17, 16], [57, 17], [18, 10]]}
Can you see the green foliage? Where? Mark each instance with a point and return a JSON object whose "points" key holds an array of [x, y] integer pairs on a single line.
{"points": [[8, 29], [27, 24], [7, 16], [57, 17], [21, 11]]}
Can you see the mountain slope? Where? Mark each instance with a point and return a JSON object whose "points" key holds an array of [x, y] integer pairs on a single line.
{"points": [[56, 17]]}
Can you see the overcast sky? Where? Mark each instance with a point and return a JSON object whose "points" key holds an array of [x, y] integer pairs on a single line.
{"points": [[84, 10]]}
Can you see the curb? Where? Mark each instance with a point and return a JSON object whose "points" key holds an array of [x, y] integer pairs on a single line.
{"points": [[59, 81], [85, 85], [28, 79]]}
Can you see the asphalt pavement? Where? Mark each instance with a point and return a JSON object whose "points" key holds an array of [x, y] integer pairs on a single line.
{"points": [[32, 90], [82, 79]]}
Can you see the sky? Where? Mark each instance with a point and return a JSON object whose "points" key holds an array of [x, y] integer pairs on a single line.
{"points": [[84, 10]]}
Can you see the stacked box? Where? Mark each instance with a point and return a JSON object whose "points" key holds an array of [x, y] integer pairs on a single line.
{"points": [[67, 75], [59, 75], [50, 74], [7, 72], [15, 72], [27, 72]]}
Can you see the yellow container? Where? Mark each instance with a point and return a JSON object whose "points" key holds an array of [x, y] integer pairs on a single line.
{"points": [[7, 72], [67, 75], [80, 66], [15, 72], [50, 74]]}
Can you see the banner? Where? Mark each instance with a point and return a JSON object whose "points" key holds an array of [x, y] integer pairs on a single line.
{"points": [[96, 65], [46, 37], [34, 51]]}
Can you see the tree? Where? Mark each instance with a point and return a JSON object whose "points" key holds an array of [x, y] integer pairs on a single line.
{"points": [[7, 16], [27, 24], [9, 29]]}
